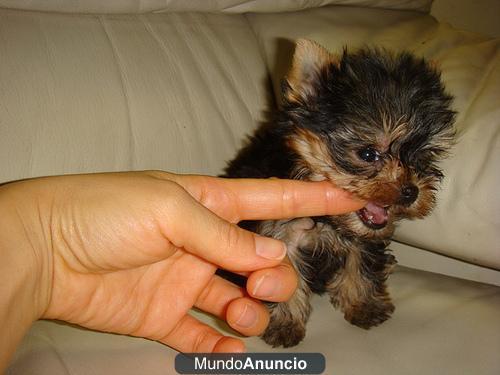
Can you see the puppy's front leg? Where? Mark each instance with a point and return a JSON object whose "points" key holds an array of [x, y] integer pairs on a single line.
{"points": [[287, 326], [359, 289]]}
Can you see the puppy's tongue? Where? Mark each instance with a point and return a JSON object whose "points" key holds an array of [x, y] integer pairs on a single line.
{"points": [[375, 213]]}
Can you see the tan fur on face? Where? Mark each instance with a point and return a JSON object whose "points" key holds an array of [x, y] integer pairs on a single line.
{"points": [[383, 189], [316, 164], [313, 151], [393, 129]]}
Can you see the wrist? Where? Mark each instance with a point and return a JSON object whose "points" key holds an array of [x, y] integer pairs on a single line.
{"points": [[25, 266]]}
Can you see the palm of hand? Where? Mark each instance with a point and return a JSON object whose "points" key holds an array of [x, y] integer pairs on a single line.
{"points": [[150, 301], [123, 275]]}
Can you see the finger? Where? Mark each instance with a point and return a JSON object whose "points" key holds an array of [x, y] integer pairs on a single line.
{"points": [[193, 227], [192, 336], [229, 302], [274, 284], [247, 316], [217, 295], [259, 199]]}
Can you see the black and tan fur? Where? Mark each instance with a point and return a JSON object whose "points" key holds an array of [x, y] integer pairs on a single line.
{"points": [[375, 124]]}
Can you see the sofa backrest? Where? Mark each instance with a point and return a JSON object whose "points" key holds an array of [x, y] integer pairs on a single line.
{"points": [[212, 6], [180, 91]]}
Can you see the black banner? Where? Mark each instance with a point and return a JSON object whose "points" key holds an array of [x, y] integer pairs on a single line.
{"points": [[250, 363]]}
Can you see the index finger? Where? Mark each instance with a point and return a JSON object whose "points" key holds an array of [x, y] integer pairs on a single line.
{"points": [[261, 199]]}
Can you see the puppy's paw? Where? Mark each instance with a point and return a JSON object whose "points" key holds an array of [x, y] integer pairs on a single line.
{"points": [[284, 334], [369, 314]]}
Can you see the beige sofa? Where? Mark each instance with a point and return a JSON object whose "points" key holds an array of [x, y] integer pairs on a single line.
{"points": [[89, 86]]}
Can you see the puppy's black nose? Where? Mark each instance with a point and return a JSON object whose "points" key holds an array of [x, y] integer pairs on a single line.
{"points": [[409, 194]]}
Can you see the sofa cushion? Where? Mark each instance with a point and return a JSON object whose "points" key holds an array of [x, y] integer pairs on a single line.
{"points": [[441, 325], [92, 93], [465, 222]]}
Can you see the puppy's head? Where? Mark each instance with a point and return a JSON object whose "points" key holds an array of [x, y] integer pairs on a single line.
{"points": [[373, 123]]}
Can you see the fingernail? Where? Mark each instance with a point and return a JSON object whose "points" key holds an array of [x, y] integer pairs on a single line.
{"points": [[269, 248], [248, 317], [266, 287]]}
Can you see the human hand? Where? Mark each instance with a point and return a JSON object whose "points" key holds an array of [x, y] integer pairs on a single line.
{"points": [[132, 253]]}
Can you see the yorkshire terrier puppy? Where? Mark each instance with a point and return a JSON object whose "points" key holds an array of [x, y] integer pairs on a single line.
{"points": [[374, 124]]}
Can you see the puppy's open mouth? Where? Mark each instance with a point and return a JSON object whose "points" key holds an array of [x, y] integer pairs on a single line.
{"points": [[373, 215]]}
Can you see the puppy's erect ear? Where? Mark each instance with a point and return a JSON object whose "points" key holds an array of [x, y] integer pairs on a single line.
{"points": [[309, 60]]}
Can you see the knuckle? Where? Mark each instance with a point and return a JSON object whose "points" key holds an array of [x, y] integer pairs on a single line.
{"points": [[201, 340], [230, 236], [289, 205], [205, 297]]}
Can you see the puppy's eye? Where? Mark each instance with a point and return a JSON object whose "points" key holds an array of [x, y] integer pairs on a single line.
{"points": [[369, 154]]}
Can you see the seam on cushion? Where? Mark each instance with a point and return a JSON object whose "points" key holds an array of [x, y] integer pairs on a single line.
{"points": [[480, 87], [489, 146], [196, 121], [123, 84], [210, 35], [206, 36], [203, 79], [154, 35], [189, 51], [196, 62], [272, 102]]}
